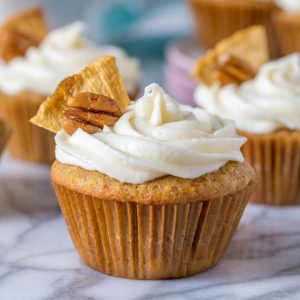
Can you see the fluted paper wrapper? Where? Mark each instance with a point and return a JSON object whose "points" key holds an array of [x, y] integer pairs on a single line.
{"points": [[216, 20], [28, 142], [4, 135], [140, 241], [288, 30], [276, 160]]}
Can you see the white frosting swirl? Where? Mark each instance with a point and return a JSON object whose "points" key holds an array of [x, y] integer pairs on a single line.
{"points": [[289, 5], [63, 52], [155, 136], [269, 102]]}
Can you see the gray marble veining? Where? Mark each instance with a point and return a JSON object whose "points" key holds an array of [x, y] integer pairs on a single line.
{"points": [[38, 261]]}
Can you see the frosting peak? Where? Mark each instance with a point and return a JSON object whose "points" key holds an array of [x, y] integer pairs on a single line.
{"points": [[155, 136], [157, 107], [64, 51]]}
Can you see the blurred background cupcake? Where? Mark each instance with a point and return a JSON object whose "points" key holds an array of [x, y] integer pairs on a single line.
{"points": [[26, 81], [264, 101], [217, 19]]}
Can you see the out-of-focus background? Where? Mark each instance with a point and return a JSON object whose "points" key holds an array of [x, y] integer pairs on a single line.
{"points": [[142, 27]]}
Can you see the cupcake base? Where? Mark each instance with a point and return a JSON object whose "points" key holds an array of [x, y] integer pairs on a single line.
{"points": [[276, 160], [28, 142], [148, 241]]}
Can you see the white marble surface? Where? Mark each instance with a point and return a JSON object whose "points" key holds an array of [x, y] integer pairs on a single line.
{"points": [[38, 261]]}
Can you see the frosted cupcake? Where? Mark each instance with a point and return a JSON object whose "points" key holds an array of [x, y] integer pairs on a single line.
{"points": [[266, 109], [149, 190], [25, 82]]}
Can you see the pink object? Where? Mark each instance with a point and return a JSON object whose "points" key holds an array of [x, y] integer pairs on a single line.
{"points": [[180, 59]]}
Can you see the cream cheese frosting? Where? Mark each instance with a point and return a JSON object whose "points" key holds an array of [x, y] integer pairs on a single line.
{"points": [[289, 5], [63, 52], [269, 102], [154, 137]]}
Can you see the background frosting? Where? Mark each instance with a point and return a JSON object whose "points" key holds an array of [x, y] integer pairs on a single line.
{"points": [[63, 52], [155, 136], [289, 5], [269, 102]]}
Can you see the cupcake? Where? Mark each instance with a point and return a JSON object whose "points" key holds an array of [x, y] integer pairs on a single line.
{"points": [[4, 134], [218, 19], [150, 190], [287, 24], [266, 107], [25, 82]]}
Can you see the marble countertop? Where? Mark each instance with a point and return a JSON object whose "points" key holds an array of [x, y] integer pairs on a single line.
{"points": [[38, 261]]}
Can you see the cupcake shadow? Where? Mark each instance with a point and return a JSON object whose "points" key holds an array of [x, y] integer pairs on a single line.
{"points": [[267, 243]]}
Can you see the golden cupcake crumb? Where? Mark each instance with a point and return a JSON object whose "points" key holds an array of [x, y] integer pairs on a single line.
{"points": [[229, 179]]}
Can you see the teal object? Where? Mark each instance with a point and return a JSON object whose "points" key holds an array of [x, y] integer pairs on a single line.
{"points": [[117, 18], [135, 25]]}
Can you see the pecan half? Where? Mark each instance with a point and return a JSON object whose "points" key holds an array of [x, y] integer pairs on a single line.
{"points": [[90, 112], [95, 102], [71, 125], [231, 69]]}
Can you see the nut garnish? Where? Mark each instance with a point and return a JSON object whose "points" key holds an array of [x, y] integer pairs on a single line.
{"points": [[231, 69], [248, 45], [95, 102], [90, 112], [88, 100], [22, 31]]}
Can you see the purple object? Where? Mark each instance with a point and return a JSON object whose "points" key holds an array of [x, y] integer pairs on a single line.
{"points": [[180, 59]]}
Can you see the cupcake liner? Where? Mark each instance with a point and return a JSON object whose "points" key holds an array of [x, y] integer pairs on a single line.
{"points": [[139, 241], [288, 31], [4, 135], [28, 142], [276, 160], [216, 20]]}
